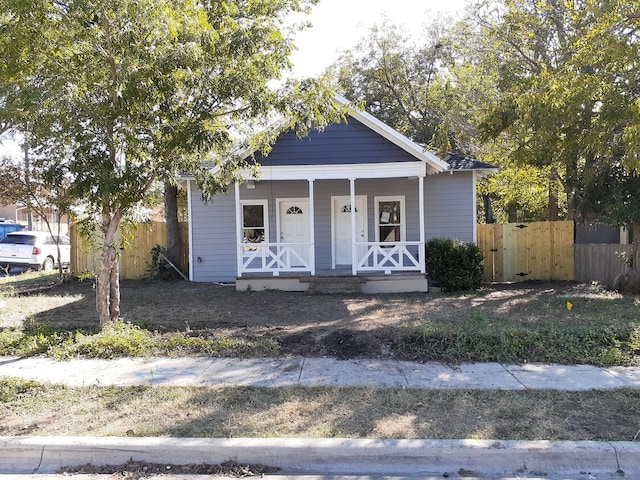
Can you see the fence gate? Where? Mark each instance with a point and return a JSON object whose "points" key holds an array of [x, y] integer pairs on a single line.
{"points": [[527, 251]]}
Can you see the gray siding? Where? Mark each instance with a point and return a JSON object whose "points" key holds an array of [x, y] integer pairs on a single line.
{"points": [[338, 144], [213, 242], [448, 213], [449, 205]]}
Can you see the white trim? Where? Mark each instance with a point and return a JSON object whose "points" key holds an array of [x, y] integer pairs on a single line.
{"points": [[354, 249], [474, 208], [312, 228], [239, 227], [190, 227], [403, 219], [422, 253], [265, 205], [338, 172]]}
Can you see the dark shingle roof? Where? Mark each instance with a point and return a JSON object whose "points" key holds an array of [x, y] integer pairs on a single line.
{"points": [[460, 162]]}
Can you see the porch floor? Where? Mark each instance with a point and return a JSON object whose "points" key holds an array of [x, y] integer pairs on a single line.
{"points": [[337, 281]]}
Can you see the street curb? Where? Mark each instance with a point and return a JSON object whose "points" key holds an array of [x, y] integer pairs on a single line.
{"points": [[329, 456]]}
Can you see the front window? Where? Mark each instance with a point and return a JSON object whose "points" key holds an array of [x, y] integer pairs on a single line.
{"points": [[390, 226], [254, 222]]}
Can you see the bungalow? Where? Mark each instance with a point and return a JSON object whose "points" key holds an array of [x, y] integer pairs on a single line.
{"points": [[356, 201]]}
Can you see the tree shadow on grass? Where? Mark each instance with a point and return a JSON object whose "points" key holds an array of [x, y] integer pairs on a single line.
{"points": [[392, 413]]}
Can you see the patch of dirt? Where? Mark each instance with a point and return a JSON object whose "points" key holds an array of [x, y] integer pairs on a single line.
{"points": [[136, 470], [341, 325]]}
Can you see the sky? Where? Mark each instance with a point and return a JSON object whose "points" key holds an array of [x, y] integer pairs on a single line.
{"points": [[340, 24]]}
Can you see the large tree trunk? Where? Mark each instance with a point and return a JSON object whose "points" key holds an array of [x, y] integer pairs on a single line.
{"points": [[108, 288], [174, 242]]}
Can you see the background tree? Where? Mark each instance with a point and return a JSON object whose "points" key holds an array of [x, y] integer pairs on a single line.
{"points": [[569, 93], [172, 221], [403, 83], [134, 91], [27, 185], [437, 91]]}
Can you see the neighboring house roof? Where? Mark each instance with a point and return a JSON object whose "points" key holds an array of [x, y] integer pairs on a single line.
{"points": [[461, 163]]}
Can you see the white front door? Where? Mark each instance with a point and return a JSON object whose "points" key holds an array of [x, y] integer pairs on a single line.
{"points": [[293, 223], [342, 227]]}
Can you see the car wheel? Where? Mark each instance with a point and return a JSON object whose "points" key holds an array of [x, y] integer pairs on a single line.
{"points": [[47, 265]]}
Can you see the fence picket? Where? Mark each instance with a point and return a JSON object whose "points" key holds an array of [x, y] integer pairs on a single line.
{"points": [[532, 251], [134, 257]]}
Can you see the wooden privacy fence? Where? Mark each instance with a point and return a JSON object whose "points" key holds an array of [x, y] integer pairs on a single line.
{"points": [[534, 251], [134, 258], [601, 262]]}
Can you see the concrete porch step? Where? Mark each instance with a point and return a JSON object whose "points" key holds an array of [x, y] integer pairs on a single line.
{"points": [[334, 284]]}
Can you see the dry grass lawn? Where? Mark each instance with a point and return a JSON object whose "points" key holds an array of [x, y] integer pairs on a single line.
{"points": [[323, 412]]}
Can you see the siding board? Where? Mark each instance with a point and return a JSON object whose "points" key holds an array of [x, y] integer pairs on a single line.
{"points": [[338, 144], [449, 202]]}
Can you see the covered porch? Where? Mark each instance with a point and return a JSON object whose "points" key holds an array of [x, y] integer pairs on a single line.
{"points": [[383, 238]]}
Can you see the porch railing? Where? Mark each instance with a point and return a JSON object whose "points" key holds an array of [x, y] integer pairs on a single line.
{"points": [[394, 257], [276, 258]]}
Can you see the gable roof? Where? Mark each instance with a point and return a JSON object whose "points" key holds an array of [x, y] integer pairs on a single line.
{"points": [[434, 163], [431, 163]]}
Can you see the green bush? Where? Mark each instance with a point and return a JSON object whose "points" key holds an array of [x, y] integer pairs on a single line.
{"points": [[455, 265]]}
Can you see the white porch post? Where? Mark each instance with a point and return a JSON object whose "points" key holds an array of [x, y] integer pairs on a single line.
{"points": [[312, 228], [421, 249], [354, 249], [190, 226], [238, 229]]}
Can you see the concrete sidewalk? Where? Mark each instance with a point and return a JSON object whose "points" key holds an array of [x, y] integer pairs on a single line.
{"points": [[276, 372]]}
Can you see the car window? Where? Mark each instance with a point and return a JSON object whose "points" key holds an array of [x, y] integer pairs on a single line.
{"points": [[8, 228], [65, 241], [19, 239]]}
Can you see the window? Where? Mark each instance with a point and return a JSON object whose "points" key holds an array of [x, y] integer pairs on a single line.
{"points": [[254, 222], [294, 211], [390, 225]]}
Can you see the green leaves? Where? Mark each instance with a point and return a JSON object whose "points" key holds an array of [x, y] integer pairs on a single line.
{"points": [[127, 91], [567, 68]]}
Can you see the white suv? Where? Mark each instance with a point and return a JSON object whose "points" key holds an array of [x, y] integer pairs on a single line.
{"points": [[33, 250]]}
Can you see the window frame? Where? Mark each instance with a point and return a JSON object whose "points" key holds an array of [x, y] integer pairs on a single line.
{"points": [[265, 209], [403, 222]]}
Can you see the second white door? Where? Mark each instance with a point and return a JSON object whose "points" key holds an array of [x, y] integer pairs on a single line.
{"points": [[342, 227], [294, 228]]}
